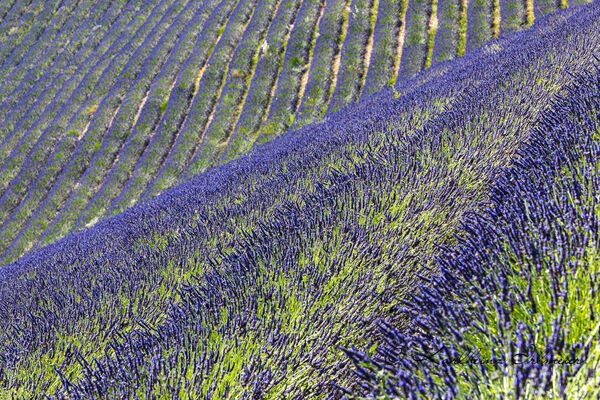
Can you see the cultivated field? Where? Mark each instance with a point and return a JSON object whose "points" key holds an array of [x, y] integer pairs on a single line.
{"points": [[450, 213], [105, 103]]}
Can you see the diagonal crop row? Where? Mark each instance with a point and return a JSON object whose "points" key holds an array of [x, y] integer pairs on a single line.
{"points": [[241, 72], [414, 53], [213, 140], [173, 140], [107, 109], [49, 24], [94, 164], [513, 15], [480, 22], [432, 26], [296, 64], [207, 146], [322, 74], [236, 95], [387, 44], [6, 8], [268, 68], [84, 186], [447, 38], [16, 23], [353, 60]]}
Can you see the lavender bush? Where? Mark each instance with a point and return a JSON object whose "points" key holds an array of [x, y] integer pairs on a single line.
{"points": [[513, 311]]}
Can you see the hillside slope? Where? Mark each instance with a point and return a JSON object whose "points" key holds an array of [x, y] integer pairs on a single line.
{"points": [[107, 102], [244, 281], [520, 288]]}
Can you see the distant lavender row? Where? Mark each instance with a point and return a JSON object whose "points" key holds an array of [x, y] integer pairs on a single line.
{"points": [[513, 15], [317, 92], [101, 160], [113, 111], [6, 7], [69, 133], [53, 201], [268, 69], [52, 98], [448, 30], [479, 22], [135, 144], [414, 52], [295, 65], [543, 7], [15, 25], [175, 136], [353, 63], [53, 24], [385, 58], [241, 72]]}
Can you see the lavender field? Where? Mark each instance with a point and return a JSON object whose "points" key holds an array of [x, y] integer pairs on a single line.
{"points": [[272, 199]]}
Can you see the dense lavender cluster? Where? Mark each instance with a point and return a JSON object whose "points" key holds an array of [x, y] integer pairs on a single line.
{"points": [[516, 299], [248, 279]]}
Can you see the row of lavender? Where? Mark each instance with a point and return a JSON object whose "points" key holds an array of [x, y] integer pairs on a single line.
{"points": [[34, 121], [92, 136], [53, 64], [513, 312], [56, 24], [115, 102], [175, 51], [11, 12], [247, 278]]}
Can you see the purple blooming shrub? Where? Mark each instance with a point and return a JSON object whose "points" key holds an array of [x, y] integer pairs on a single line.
{"points": [[513, 312]]}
